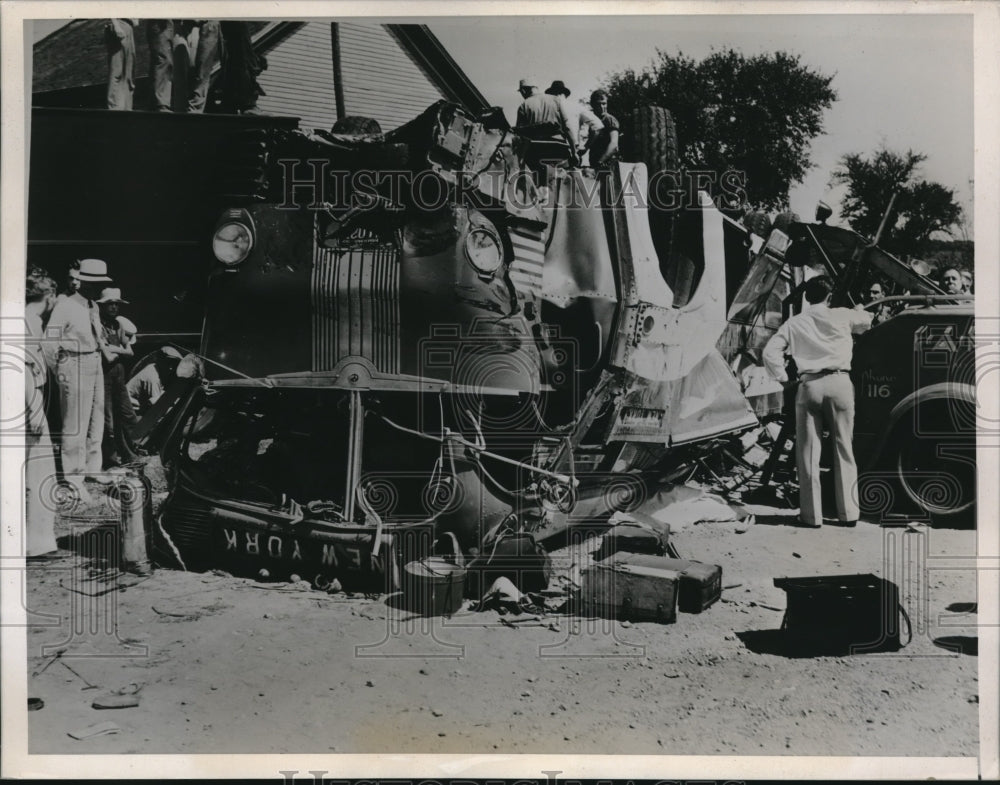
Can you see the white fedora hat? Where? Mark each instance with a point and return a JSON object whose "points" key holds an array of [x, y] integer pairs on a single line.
{"points": [[93, 271]]}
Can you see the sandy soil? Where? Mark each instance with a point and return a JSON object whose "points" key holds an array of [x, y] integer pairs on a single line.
{"points": [[225, 664]]}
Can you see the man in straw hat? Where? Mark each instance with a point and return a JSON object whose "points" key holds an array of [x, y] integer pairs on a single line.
{"points": [[75, 357], [119, 416]]}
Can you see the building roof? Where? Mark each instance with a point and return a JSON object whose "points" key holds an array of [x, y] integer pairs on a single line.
{"points": [[84, 71]]}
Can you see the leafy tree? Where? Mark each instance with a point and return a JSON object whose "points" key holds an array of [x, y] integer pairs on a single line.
{"points": [[757, 115], [921, 208]]}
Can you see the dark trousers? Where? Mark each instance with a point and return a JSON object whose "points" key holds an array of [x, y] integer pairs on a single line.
{"points": [[119, 419]]}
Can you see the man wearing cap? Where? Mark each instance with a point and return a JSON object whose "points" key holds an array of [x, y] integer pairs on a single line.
{"points": [[119, 416], [146, 387], [74, 354], [540, 108]]}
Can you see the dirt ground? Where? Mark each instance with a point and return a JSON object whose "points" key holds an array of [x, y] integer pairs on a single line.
{"points": [[229, 665]]}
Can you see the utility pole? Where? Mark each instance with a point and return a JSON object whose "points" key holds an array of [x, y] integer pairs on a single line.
{"points": [[338, 76]]}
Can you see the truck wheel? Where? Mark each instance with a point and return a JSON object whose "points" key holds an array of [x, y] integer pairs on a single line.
{"points": [[652, 140], [937, 470]]}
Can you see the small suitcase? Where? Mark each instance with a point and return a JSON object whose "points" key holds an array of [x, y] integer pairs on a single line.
{"points": [[630, 592], [842, 614], [700, 584], [634, 536]]}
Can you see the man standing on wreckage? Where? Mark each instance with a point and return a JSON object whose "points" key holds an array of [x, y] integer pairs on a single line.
{"points": [[820, 340]]}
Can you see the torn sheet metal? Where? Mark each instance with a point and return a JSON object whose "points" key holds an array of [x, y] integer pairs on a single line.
{"points": [[706, 402], [578, 263]]}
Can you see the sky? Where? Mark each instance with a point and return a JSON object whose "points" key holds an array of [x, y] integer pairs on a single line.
{"points": [[902, 80], [906, 81]]}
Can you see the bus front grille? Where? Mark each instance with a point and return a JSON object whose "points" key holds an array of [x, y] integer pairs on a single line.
{"points": [[355, 306]]}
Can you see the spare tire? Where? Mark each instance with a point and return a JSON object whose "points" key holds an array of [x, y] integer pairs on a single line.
{"points": [[651, 139]]}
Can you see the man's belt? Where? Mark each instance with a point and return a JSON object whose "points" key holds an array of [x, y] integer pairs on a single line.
{"points": [[813, 375], [75, 353]]}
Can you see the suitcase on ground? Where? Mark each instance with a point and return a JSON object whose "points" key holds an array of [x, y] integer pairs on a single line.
{"points": [[630, 592], [634, 535], [841, 614], [700, 584]]}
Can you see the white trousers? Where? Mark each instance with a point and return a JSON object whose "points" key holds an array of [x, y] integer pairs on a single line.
{"points": [[826, 402], [81, 401]]}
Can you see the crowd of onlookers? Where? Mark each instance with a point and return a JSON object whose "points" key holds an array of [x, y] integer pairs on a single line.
{"points": [[81, 406]]}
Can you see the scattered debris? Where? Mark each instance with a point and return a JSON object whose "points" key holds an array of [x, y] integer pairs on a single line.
{"points": [[114, 700], [81, 678], [52, 658], [99, 729]]}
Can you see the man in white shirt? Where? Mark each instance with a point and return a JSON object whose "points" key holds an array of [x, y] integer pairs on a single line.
{"points": [[820, 340], [75, 358]]}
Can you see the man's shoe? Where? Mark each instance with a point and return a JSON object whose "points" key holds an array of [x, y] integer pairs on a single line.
{"points": [[100, 480], [806, 525]]}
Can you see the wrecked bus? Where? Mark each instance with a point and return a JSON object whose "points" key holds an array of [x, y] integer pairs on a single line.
{"points": [[418, 332]]}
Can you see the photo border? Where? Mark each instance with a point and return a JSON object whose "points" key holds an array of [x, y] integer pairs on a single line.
{"points": [[16, 50]]}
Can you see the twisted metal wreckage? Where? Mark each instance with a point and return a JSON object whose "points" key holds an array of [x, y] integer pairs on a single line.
{"points": [[460, 345]]}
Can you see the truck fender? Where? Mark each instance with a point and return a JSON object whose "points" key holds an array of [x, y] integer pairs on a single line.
{"points": [[942, 390]]}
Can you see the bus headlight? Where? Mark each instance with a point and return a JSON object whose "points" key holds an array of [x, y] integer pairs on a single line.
{"points": [[232, 243], [483, 249]]}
